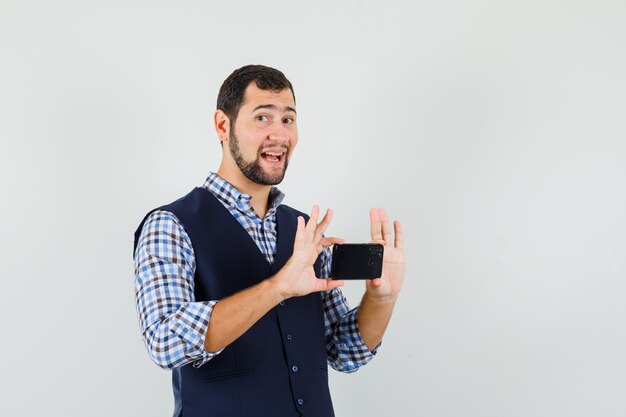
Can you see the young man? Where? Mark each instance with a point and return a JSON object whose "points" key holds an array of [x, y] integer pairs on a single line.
{"points": [[226, 277]]}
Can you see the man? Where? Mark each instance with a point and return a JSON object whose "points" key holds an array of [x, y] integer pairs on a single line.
{"points": [[226, 277]]}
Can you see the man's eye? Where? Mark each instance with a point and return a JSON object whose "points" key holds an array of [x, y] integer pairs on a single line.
{"points": [[262, 118], [289, 120]]}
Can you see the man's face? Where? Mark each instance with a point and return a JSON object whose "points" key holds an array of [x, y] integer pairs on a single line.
{"points": [[264, 135]]}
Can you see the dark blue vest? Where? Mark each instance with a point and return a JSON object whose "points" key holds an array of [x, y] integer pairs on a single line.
{"points": [[278, 367]]}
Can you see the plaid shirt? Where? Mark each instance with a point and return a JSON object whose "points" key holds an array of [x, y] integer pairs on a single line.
{"points": [[174, 325]]}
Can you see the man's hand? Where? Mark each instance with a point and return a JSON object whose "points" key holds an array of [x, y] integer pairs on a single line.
{"points": [[233, 316], [297, 277], [386, 288]]}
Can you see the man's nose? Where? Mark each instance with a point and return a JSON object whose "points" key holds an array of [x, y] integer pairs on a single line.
{"points": [[279, 133]]}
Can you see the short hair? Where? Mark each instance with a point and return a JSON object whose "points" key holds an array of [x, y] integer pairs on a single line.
{"points": [[230, 97]]}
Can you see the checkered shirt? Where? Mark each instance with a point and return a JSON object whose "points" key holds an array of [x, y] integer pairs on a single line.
{"points": [[174, 325]]}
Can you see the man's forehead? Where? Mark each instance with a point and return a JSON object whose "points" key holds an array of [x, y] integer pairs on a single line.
{"points": [[254, 96]]}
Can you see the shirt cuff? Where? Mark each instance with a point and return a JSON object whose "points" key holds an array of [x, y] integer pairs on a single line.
{"points": [[190, 326]]}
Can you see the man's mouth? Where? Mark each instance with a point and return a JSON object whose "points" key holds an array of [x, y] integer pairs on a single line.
{"points": [[274, 157]]}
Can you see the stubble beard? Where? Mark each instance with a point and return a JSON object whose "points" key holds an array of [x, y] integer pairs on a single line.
{"points": [[252, 169]]}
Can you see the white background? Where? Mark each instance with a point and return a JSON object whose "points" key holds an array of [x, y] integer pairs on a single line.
{"points": [[495, 130]]}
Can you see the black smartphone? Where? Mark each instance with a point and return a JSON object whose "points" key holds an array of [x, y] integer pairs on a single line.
{"points": [[357, 261]]}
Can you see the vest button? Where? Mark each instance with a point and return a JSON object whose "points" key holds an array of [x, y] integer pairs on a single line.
{"points": [[300, 401], [289, 337], [282, 303], [295, 368]]}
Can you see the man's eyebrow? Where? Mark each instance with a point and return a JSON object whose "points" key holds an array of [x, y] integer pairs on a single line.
{"points": [[274, 107]]}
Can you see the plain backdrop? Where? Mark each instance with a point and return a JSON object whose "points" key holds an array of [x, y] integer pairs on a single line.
{"points": [[494, 130]]}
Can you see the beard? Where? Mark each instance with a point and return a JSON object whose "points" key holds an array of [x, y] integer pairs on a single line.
{"points": [[252, 169]]}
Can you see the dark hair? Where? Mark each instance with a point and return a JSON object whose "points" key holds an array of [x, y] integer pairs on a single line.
{"points": [[230, 97]]}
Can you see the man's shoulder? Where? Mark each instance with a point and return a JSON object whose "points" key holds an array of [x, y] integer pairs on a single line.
{"points": [[168, 215], [196, 201], [189, 200]]}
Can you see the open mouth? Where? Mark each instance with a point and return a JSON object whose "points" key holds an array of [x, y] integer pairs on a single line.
{"points": [[273, 157]]}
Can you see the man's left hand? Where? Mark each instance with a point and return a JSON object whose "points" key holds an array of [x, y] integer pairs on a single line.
{"points": [[386, 288]]}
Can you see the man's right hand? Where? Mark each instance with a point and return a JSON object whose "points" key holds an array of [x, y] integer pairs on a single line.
{"points": [[232, 316], [297, 277]]}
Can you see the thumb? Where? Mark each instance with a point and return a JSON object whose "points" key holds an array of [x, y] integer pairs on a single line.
{"points": [[328, 241], [330, 283]]}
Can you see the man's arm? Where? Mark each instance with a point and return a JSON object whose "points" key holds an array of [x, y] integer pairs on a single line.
{"points": [[233, 315], [373, 318], [173, 324]]}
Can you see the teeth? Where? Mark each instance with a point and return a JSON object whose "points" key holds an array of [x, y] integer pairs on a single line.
{"points": [[274, 153]]}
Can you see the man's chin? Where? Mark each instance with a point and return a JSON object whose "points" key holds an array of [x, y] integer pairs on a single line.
{"points": [[266, 178], [262, 173], [273, 175], [274, 179]]}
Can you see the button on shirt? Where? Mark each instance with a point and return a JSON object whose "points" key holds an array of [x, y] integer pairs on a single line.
{"points": [[174, 324]]}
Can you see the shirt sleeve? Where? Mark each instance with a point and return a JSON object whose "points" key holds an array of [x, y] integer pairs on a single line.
{"points": [[345, 348], [173, 324]]}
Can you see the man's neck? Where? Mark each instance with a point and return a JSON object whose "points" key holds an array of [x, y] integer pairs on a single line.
{"points": [[259, 194]]}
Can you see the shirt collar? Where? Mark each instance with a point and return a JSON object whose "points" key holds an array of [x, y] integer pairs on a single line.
{"points": [[230, 196]]}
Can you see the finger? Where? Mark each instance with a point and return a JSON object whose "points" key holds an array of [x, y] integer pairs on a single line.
{"points": [[325, 242], [300, 229], [397, 227], [329, 241], [321, 228], [312, 223], [375, 226], [387, 235]]}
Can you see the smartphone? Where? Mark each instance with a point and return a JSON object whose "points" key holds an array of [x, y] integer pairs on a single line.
{"points": [[357, 261]]}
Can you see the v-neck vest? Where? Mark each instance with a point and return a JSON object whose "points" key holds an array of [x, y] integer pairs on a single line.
{"points": [[278, 367]]}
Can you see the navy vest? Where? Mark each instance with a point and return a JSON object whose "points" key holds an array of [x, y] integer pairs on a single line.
{"points": [[278, 367]]}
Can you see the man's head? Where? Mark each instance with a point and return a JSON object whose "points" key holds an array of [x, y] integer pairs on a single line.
{"points": [[256, 117]]}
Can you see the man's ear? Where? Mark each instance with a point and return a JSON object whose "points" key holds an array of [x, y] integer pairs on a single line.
{"points": [[222, 125]]}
